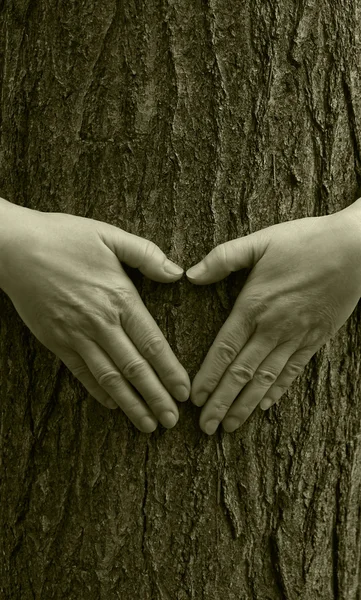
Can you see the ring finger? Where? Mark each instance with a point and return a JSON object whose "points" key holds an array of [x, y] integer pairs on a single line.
{"points": [[291, 371], [77, 366], [234, 379], [266, 374], [116, 345], [102, 379]]}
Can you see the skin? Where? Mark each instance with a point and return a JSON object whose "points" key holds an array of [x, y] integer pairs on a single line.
{"points": [[63, 274], [304, 284]]}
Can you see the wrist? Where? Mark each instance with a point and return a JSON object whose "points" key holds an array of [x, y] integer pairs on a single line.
{"points": [[10, 218], [353, 213], [346, 226]]}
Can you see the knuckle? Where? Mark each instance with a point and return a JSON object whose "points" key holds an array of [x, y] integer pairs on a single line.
{"points": [[149, 250], [265, 377], [153, 346], [123, 294], [121, 300], [222, 406], [131, 409], [133, 369], [79, 370], [266, 327], [108, 379], [221, 255], [112, 305], [205, 388], [155, 400], [294, 369], [169, 374], [226, 352], [281, 389], [240, 374]]}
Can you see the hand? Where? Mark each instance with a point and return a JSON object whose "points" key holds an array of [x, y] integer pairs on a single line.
{"points": [[305, 283], [64, 277]]}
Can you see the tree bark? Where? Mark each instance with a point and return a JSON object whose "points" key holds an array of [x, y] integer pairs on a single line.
{"points": [[189, 123]]}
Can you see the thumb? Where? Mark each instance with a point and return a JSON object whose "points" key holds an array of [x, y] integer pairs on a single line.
{"points": [[140, 253], [234, 255]]}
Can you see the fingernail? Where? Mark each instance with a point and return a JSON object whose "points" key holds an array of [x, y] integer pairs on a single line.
{"points": [[110, 403], [200, 398], [147, 424], [211, 427], [230, 424], [171, 268], [181, 393], [168, 419], [196, 271], [266, 403]]}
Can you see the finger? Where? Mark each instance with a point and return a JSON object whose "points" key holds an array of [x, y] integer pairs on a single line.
{"points": [[77, 366], [146, 336], [241, 371], [128, 363], [139, 253], [109, 378], [231, 338], [251, 395], [294, 367], [230, 256]]}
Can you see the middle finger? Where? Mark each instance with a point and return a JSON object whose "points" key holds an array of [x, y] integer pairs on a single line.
{"points": [[147, 337], [137, 371], [263, 379], [236, 376], [247, 367]]}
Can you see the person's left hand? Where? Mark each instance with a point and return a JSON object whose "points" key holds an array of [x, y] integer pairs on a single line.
{"points": [[304, 285]]}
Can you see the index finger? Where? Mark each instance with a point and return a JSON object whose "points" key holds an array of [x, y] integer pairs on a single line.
{"points": [[145, 334], [228, 343]]}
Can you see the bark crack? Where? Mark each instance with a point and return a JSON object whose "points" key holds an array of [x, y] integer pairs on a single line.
{"points": [[336, 547], [145, 496], [353, 127]]}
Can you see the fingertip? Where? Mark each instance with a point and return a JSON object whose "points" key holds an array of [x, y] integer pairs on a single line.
{"points": [[110, 403], [205, 276], [148, 425], [266, 403], [160, 276], [169, 419], [199, 399], [196, 271], [181, 393], [176, 278], [164, 271], [172, 269]]}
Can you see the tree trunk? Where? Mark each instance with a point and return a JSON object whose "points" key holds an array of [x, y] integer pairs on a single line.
{"points": [[189, 123]]}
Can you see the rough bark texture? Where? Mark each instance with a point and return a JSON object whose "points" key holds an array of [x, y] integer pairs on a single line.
{"points": [[188, 122]]}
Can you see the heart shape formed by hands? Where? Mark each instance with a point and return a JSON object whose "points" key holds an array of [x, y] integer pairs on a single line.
{"points": [[64, 276]]}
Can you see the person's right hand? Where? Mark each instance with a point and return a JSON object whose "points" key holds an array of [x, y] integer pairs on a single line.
{"points": [[64, 277]]}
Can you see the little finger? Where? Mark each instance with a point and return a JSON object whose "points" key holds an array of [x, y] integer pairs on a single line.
{"points": [[294, 367], [236, 376], [77, 366], [127, 361], [251, 395], [108, 377]]}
